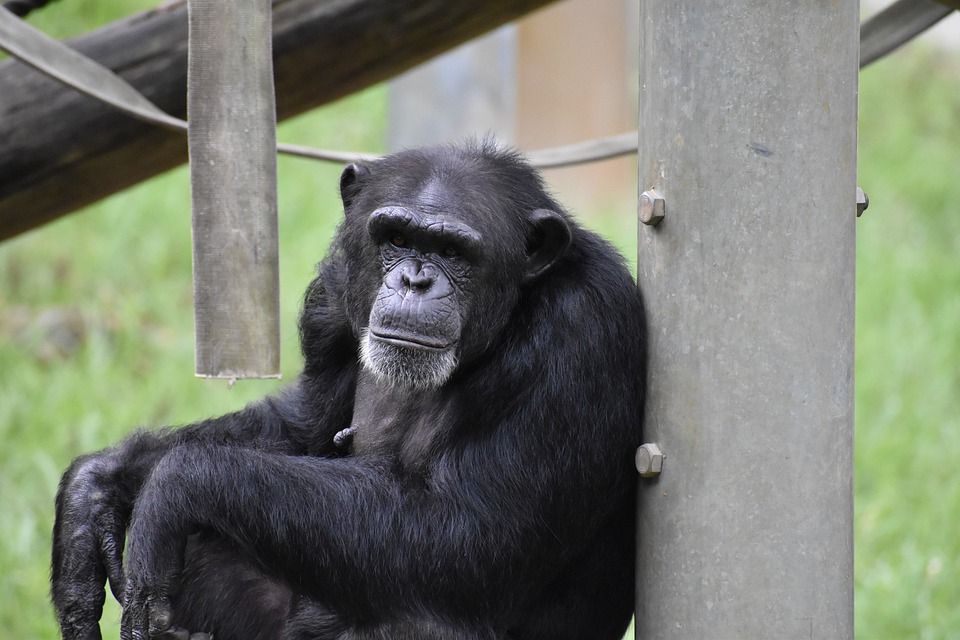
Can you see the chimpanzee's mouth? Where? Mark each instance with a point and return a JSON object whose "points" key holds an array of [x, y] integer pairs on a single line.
{"points": [[410, 341]]}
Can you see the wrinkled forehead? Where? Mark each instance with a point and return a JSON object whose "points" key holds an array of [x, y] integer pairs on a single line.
{"points": [[474, 197], [447, 197]]}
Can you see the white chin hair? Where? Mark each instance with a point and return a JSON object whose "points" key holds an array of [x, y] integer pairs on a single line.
{"points": [[400, 367]]}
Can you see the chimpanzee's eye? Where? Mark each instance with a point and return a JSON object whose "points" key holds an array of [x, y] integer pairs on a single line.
{"points": [[451, 252], [398, 241]]}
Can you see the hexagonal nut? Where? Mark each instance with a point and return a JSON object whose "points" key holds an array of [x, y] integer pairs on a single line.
{"points": [[652, 207], [863, 201], [649, 460]]}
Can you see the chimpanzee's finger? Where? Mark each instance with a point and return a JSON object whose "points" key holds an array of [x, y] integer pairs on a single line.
{"points": [[134, 622], [78, 582], [127, 623], [111, 554]]}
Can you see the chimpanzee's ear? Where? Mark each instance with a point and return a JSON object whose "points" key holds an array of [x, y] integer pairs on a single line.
{"points": [[349, 180], [548, 240]]}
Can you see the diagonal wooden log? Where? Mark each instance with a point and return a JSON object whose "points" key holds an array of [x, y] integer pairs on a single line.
{"points": [[60, 150]]}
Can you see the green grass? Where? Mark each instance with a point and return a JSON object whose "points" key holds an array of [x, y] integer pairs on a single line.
{"points": [[96, 336], [908, 351]]}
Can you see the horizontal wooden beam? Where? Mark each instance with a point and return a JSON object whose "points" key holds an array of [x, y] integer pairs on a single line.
{"points": [[61, 150]]}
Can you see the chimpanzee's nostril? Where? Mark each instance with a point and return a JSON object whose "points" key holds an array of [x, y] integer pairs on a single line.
{"points": [[417, 278]]}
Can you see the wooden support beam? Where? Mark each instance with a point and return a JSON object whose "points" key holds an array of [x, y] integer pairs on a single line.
{"points": [[60, 150], [233, 183]]}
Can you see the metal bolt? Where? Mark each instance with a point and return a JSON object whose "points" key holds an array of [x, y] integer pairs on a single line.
{"points": [[649, 460], [652, 207], [862, 201]]}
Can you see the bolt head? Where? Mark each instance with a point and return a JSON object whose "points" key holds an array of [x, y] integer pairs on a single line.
{"points": [[652, 207], [649, 460], [863, 201]]}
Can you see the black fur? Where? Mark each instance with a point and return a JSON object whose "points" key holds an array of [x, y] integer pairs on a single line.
{"points": [[497, 504], [23, 7]]}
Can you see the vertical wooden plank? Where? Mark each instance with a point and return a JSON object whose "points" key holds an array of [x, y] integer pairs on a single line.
{"points": [[232, 140]]}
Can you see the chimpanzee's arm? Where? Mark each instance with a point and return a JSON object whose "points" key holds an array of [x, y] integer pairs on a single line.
{"points": [[352, 533], [93, 508], [97, 493]]}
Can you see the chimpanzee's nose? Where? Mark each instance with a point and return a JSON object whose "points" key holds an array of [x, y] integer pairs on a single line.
{"points": [[418, 277]]}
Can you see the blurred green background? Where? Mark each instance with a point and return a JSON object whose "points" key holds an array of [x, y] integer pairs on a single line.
{"points": [[96, 335]]}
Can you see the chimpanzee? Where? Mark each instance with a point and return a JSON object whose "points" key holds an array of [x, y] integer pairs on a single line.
{"points": [[485, 353]]}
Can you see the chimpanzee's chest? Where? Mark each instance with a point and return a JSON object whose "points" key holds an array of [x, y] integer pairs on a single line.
{"points": [[402, 423]]}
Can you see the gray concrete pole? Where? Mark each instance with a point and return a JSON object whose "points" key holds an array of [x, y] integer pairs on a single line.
{"points": [[748, 116]]}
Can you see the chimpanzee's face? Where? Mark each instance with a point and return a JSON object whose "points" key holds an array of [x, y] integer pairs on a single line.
{"points": [[438, 258], [429, 263]]}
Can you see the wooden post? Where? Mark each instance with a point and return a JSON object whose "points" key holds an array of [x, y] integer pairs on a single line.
{"points": [[233, 177]]}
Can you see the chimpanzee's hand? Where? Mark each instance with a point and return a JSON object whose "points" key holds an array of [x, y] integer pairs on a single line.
{"points": [[147, 611], [158, 536], [88, 537]]}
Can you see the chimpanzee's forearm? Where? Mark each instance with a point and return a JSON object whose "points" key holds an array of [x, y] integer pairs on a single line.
{"points": [[126, 465], [95, 500], [273, 424], [328, 525], [98, 491]]}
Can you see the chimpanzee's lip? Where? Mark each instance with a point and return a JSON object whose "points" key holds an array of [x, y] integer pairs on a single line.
{"points": [[410, 341]]}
